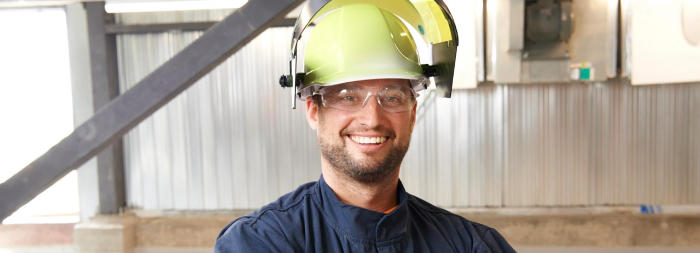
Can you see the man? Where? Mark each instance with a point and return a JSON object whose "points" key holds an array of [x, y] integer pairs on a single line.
{"points": [[360, 99]]}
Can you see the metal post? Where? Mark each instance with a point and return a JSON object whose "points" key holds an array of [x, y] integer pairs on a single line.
{"points": [[95, 83], [105, 87], [123, 113]]}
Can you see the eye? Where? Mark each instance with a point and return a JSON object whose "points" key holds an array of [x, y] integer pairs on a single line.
{"points": [[348, 98], [393, 99]]}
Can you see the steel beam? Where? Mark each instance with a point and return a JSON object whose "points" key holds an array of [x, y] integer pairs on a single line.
{"points": [[123, 113]]}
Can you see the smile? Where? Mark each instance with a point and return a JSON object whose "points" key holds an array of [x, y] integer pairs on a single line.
{"points": [[368, 140]]}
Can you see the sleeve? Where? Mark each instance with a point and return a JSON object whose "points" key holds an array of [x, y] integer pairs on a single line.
{"points": [[247, 234]]}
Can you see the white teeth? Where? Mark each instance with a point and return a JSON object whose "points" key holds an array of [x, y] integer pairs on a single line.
{"points": [[368, 140]]}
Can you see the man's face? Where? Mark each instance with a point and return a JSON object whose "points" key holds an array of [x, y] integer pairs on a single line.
{"points": [[366, 145]]}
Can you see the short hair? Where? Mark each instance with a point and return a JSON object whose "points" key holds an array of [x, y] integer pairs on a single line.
{"points": [[317, 100]]}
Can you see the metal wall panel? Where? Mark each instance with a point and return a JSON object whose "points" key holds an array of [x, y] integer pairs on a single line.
{"points": [[455, 158], [694, 143], [601, 144], [231, 140]]}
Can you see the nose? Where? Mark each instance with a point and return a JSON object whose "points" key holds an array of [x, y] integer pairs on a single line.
{"points": [[371, 114]]}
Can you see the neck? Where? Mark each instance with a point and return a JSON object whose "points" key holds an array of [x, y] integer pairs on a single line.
{"points": [[379, 196]]}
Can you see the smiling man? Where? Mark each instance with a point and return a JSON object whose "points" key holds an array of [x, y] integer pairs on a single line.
{"points": [[361, 76]]}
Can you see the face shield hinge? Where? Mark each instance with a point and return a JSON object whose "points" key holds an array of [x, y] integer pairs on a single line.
{"points": [[429, 70], [286, 80]]}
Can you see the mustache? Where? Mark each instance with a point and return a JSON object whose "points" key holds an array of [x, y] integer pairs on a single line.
{"points": [[379, 129]]}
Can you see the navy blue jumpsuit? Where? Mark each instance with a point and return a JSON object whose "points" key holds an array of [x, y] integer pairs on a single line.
{"points": [[312, 219]]}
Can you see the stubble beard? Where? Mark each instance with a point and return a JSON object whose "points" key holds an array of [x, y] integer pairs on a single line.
{"points": [[366, 172]]}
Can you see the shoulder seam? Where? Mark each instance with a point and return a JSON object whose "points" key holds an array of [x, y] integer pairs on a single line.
{"points": [[435, 209], [281, 209]]}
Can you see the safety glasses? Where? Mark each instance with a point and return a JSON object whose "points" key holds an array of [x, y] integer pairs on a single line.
{"points": [[353, 98]]}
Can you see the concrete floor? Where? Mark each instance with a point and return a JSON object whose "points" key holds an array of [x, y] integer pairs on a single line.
{"points": [[521, 249], [538, 249], [51, 249], [603, 232]]}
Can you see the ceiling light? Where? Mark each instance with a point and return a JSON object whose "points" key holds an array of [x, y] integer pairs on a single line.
{"points": [[121, 6]]}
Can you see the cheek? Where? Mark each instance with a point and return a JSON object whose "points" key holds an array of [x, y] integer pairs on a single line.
{"points": [[402, 126], [332, 124]]}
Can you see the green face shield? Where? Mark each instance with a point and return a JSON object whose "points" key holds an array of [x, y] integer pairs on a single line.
{"points": [[350, 31]]}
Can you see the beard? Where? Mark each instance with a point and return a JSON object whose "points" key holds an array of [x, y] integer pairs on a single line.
{"points": [[367, 172]]}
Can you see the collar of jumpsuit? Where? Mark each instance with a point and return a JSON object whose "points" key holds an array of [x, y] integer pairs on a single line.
{"points": [[364, 224]]}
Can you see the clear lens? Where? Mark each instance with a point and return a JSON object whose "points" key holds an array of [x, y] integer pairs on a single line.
{"points": [[354, 98]]}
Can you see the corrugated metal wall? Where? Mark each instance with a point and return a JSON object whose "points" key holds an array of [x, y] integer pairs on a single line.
{"points": [[559, 145], [231, 141]]}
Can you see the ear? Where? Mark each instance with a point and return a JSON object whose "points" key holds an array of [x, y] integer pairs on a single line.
{"points": [[312, 113]]}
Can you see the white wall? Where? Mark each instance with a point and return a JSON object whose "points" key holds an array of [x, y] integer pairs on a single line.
{"points": [[35, 104]]}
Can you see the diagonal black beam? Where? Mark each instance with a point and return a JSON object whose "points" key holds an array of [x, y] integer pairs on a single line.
{"points": [[123, 113]]}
